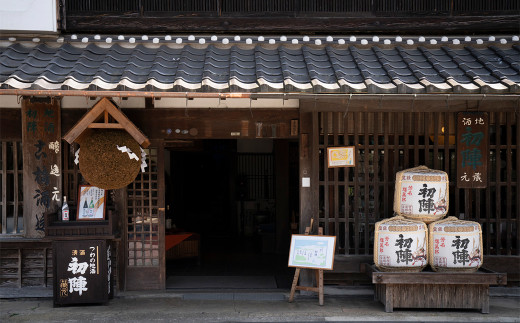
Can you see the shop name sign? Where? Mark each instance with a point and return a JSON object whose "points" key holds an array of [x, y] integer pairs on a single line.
{"points": [[83, 269], [472, 149]]}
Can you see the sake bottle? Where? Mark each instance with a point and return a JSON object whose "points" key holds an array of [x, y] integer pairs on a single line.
{"points": [[91, 209], [85, 209], [65, 210]]}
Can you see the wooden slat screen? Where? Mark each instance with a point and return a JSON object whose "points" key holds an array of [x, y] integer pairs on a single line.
{"points": [[180, 5], [143, 215], [11, 187], [351, 200], [436, 7], [350, 8], [468, 6]]}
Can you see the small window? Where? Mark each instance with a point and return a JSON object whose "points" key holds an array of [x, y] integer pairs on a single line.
{"points": [[11, 187]]}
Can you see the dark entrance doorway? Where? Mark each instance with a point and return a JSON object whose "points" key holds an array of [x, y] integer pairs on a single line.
{"points": [[230, 206]]}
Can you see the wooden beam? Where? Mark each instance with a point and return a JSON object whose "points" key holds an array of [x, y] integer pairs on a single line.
{"points": [[106, 108], [86, 120], [127, 125], [105, 126]]}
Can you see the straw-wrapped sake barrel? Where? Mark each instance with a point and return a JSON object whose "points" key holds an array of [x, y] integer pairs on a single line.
{"points": [[421, 194], [455, 245], [400, 245]]}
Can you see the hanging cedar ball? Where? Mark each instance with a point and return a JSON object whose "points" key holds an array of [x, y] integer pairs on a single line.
{"points": [[102, 164]]}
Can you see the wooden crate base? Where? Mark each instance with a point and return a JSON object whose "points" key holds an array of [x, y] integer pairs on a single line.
{"points": [[430, 289]]}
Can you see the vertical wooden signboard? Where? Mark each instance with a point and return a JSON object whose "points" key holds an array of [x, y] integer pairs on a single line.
{"points": [[41, 140], [472, 149]]}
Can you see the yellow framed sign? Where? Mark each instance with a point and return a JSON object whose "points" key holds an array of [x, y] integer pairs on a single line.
{"points": [[341, 156]]}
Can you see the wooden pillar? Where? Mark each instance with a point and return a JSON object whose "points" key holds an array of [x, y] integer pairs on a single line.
{"points": [[281, 155], [309, 177], [42, 171]]}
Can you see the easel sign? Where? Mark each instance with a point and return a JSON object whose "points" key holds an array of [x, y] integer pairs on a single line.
{"points": [[312, 251], [91, 203], [341, 156]]}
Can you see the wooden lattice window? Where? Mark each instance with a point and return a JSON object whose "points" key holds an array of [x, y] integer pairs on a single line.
{"points": [[353, 199], [257, 173], [11, 187], [143, 215], [71, 174]]}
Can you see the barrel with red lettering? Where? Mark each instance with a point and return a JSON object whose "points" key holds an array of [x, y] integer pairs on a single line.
{"points": [[455, 245], [421, 194], [400, 245]]}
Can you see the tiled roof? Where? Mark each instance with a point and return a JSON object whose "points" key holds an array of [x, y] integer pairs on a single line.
{"points": [[261, 67]]}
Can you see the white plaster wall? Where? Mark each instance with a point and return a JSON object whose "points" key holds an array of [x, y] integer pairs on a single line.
{"points": [[28, 15], [9, 101]]}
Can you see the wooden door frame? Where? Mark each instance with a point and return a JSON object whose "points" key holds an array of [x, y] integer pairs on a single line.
{"points": [[159, 270]]}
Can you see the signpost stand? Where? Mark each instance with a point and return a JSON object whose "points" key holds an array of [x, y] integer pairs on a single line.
{"points": [[319, 276]]}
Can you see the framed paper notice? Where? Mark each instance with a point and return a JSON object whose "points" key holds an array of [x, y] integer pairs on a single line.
{"points": [[341, 156], [312, 251], [91, 203]]}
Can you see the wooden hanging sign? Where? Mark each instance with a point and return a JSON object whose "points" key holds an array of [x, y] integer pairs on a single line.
{"points": [[472, 149], [41, 132]]}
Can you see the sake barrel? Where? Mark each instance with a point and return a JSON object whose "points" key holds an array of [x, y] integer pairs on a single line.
{"points": [[400, 245], [421, 194], [455, 245]]}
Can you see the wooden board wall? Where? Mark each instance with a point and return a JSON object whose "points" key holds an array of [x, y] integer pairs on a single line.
{"points": [[25, 264]]}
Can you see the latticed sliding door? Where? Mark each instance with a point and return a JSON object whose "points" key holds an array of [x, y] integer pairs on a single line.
{"points": [[351, 200], [145, 225]]}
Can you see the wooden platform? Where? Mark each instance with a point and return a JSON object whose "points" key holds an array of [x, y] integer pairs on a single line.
{"points": [[429, 289]]}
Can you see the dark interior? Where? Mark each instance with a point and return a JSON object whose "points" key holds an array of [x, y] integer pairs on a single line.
{"points": [[225, 195]]}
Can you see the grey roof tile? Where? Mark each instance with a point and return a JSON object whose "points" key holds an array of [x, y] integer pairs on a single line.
{"points": [[162, 77], [8, 62], [52, 77], [20, 75], [262, 68], [109, 78], [58, 70]]}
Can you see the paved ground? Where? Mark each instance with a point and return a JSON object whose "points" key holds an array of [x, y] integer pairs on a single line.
{"points": [[244, 307]]}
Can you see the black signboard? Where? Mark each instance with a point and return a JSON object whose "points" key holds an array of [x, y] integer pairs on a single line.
{"points": [[82, 270], [472, 149]]}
